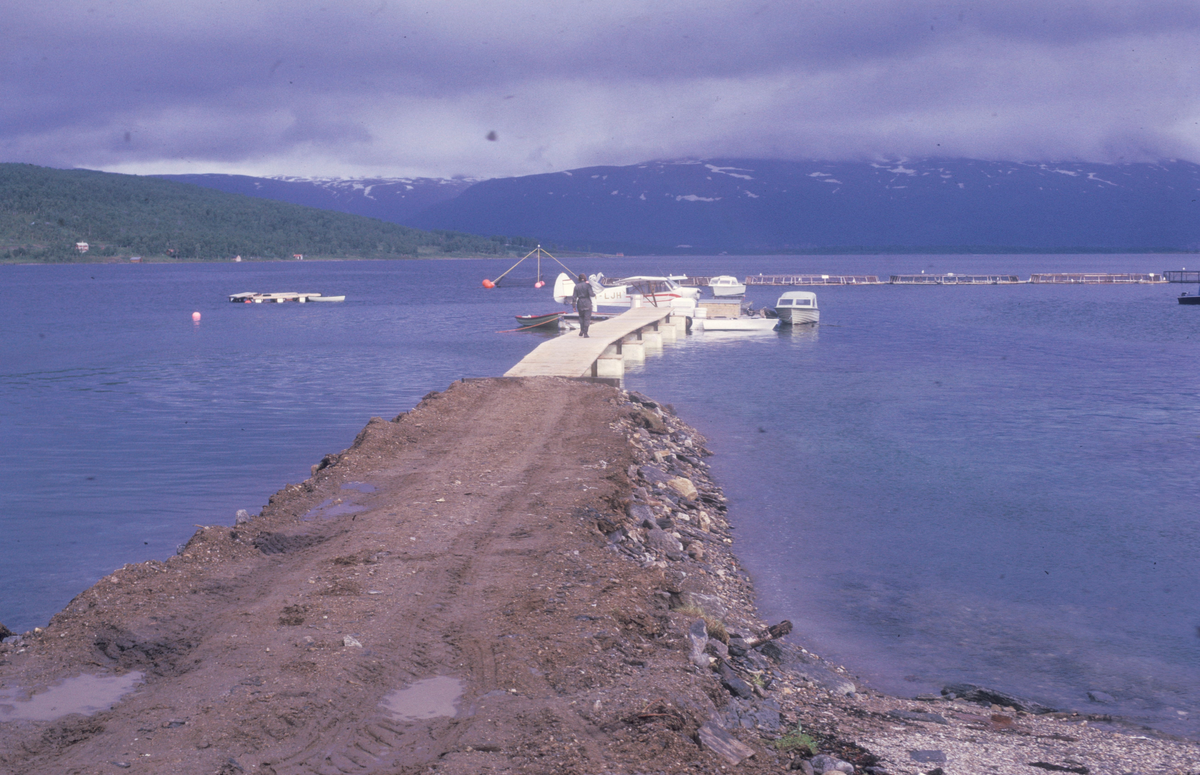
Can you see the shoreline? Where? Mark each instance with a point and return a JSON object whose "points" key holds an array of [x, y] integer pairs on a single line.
{"points": [[585, 254], [584, 591]]}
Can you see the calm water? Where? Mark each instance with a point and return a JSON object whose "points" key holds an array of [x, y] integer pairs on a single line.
{"points": [[991, 484]]}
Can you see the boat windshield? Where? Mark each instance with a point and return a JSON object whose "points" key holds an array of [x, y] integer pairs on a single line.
{"points": [[648, 287]]}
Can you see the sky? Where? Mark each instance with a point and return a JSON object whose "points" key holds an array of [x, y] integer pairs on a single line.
{"points": [[439, 88]]}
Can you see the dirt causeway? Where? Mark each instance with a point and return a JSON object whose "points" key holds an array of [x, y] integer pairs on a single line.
{"points": [[527, 576]]}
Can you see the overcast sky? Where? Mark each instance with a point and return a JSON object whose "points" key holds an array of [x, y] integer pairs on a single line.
{"points": [[352, 88]]}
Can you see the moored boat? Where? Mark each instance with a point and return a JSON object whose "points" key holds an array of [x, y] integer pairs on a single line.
{"points": [[732, 315], [726, 285], [744, 323], [797, 307], [548, 320]]}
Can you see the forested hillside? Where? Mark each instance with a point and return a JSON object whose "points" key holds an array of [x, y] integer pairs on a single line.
{"points": [[44, 212]]}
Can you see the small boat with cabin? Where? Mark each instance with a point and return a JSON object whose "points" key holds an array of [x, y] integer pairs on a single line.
{"points": [[797, 307], [726, 285]]}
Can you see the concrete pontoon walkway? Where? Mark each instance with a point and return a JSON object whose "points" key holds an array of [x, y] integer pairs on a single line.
{"points": [[602, 353]]}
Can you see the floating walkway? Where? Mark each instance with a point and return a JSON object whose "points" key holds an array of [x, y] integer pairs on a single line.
{"points": [[610, 343], [955, 279], [792, 279], [1094, 278], [1059, 278], [813, 279]]}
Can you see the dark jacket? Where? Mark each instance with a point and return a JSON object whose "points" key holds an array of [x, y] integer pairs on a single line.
{"points": [[583, 294]]}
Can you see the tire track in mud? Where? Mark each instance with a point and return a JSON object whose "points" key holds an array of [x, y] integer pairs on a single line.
{"points": [[473, 572], [453, 566]]}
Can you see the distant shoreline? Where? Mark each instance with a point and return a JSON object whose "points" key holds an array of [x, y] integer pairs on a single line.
{"points": [[830, 252]]}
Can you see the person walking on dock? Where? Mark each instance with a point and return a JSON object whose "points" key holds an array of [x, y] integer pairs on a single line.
{"points": [[583, 303]]}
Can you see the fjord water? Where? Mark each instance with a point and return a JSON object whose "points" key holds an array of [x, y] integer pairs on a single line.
{"points": [[992, 484]]}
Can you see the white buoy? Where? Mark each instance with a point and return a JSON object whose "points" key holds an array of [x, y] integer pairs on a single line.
{"points": [[196, 317]]}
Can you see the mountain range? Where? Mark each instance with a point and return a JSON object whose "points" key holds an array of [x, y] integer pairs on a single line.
{"points": [[768, 206]]}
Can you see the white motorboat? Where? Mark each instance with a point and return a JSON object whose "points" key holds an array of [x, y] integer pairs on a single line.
{"points": [[630, 291], [744, 323], [732, 315], [726, 285], [797, 307]]}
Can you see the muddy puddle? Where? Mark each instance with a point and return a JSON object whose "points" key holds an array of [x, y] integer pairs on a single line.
{"points": [[425, 699], [86, 694]]}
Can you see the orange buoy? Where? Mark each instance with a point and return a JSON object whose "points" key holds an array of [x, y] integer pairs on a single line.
{"points": [[488, 284], [539, 284], [196, 316]]}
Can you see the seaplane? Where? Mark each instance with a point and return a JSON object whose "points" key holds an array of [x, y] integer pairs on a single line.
{"points": [[640, 290]]}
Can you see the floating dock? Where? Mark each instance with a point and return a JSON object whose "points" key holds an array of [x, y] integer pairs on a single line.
{"points": [[955, 279], [792, 279], [627, 337], [1055, 278], [812, 279]]}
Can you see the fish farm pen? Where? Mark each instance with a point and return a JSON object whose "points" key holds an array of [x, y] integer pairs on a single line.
{"points": [[793, 279], [1058, 278], [955, 279], [1094, 278]]}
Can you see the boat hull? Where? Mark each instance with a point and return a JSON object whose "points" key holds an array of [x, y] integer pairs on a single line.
{"points": [[736, 324], [796, 308], [547, 321], [798, 317], [1185, 299]]}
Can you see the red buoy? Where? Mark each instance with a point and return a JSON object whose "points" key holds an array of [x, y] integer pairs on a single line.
{"points": [[488, 284], [539, 284]]}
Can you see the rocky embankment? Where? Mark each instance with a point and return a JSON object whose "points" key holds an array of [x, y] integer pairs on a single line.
{"points": [[532, 576], [800, 705]]}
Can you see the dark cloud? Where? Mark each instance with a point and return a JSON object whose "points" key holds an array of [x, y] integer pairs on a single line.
{"points": [[415, 88]]}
